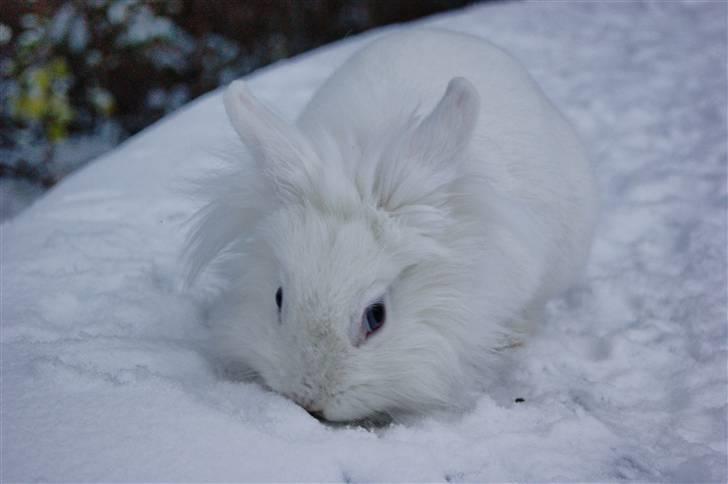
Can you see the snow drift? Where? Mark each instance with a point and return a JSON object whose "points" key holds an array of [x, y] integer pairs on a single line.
{"points": [[103, 372]]}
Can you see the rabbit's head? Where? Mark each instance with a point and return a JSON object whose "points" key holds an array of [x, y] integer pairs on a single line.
{"points": [[355, 285]]}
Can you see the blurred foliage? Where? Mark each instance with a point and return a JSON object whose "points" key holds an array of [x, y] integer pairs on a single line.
{"points": [[42, 97], [85, 74]]}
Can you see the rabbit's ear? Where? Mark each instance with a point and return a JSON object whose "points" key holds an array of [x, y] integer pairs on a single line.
{"points": [[420, 170], [445, 133], [279, 148]]}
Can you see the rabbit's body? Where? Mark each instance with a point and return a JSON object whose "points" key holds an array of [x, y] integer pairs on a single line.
{"points": [[527, 162], [452, 218]]}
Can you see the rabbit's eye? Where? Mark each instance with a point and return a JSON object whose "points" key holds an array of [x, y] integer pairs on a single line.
{"points": [[374, 317], [279, 298]]}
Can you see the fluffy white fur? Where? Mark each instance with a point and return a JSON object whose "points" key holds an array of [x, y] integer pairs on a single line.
{"points": [[429, 170]]}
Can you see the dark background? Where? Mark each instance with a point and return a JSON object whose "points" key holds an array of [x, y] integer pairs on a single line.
{"points": [[79, 76]]}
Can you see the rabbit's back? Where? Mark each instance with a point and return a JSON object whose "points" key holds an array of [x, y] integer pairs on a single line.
{"points": [[410, 69]]}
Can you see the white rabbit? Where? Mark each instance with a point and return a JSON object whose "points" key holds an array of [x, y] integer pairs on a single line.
{"points": [[426, 205]]}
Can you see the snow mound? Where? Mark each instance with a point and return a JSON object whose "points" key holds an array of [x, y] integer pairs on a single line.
{"points": [[103, 377]]}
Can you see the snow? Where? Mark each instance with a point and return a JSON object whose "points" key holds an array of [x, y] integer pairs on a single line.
{"points": [[104, 374]]}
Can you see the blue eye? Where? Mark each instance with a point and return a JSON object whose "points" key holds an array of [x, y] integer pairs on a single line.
{"points": [[374, 317]]}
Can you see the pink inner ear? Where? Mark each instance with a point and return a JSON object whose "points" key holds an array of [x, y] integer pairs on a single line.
{"points": [[455, 116], [445, 133], [462, 91]]}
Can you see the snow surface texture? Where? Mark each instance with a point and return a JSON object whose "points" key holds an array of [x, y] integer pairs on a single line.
{"points": [[102, 373]]}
